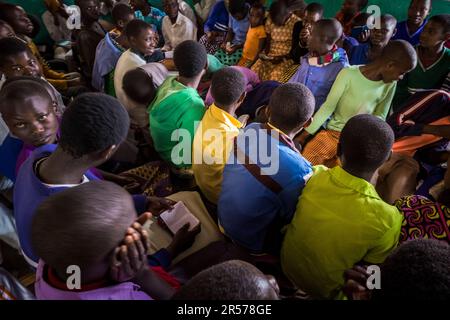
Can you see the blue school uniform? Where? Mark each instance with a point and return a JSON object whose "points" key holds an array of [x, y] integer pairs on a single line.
{"points": [[9, 152], [30, 191], [239, 28], [254, 218], [320, 79], [218, 18], [106, 56], [403, 33], [359, 54]]}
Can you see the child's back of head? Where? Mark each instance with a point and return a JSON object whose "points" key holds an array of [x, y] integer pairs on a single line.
{"points": [[227, 87], [291, 107], [365, 143], [397, 58], [139, 86], [231, 280], [121, 14], [190, 58], [416, 270], [92, 123], [95, 221]]}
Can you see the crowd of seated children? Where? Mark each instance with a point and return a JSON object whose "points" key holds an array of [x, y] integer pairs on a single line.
{"points": [[307, 146]]}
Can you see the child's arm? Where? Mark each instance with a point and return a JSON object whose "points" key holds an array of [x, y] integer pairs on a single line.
{"points": [[382, 109], [167, 45], [261, 46], [329, 106]]}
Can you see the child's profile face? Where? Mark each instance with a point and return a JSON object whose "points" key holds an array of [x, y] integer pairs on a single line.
{"points": [[256, 17], [318, 42], [20, 22], [22, 64], [380, 37], [432, 35], [33, 121], [146, 42], [171, 8], [418, 11], [395, 72], [136, 4], [6, 31], [123, 22]]}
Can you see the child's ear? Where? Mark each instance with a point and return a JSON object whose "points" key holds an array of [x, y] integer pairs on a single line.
{"points": [[394, 33], [241, 99], [108, 152], [307, 123]]}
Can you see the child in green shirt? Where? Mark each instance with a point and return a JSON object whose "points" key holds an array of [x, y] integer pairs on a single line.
{"points": [[433, 60], [365, 89], [178, 107]]}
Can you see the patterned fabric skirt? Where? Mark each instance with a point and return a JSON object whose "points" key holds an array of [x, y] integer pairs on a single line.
{"points": [[229, 59], [214, 45], [289, 73], [322, 149], [267, 70], [151, 179], [423, 218], [246, 63]]}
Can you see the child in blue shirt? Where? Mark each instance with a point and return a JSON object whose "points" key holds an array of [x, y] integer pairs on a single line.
{"points": [[411, 29], [320, 67], [231, 49]]}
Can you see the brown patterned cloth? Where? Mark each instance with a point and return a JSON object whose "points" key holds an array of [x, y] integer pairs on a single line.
{"points": [[322, 149], [280, 45]]}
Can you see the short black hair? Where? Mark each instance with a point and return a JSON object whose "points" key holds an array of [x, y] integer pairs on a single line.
{"points": [[278, 7], [227, 86], [138, 86], [443, 20], [135, 27], [315, 7], [16, 89], [10, 47], [5, 11], [230, 280], [366, 142], [388, 18], [430, 1], [291, 106], [401, 52], [190, 58], [93, 122], [92, 225], [258, 6], [417, 270], [120, 11], [332, 27], [237, 6]]}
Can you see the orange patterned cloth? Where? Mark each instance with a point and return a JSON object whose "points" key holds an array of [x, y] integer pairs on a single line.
{"points": [[322, 149]]}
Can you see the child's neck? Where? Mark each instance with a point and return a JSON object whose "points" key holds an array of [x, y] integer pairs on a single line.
{"points": [[229, 109], [122, 39], [54, 170], [89, 276], [372, 71], [173, 20], [359, 174], [189, 82], [431, 52]]}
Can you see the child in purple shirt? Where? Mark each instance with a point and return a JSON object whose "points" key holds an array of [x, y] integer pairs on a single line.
{"points": [[99, 234]]}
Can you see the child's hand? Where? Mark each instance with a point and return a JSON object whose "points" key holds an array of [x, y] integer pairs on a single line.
{"points": [[355, 283], [211, 35], [364, 36], [129, 258], [223, 46], [72, 75], [183, 239], [232, 49], [158, 205]]}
